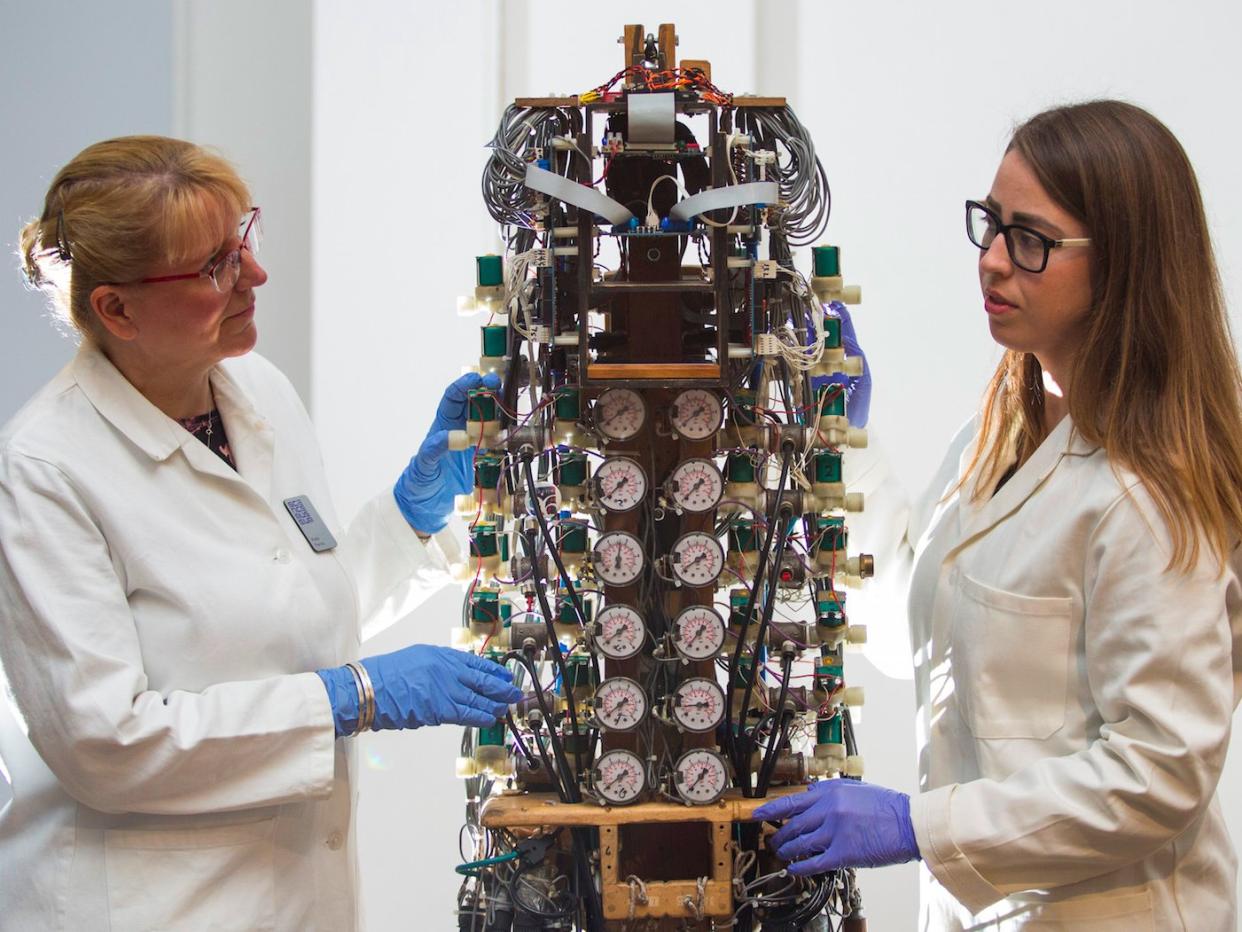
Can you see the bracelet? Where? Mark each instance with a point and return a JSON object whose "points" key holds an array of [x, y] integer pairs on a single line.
{"points": [[362, 698], [366, 709]]}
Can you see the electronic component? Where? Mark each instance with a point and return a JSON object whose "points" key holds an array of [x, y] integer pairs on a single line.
{"points": [[620, 631], [698, 704], [696, 485], [653, 282], [697, 559], [700, 776], [618, 558], [620, 413], [696, 414], [620, 703], [620, 777], [620, 484], [698, 632]]}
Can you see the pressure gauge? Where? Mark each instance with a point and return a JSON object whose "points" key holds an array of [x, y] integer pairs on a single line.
{"points": [[620, 483], [620, 703], [618, 558], [696, 414], [700, 776], [697, 559], [697, 485], [620, 631], [620, 413], [620, 777], [698, 633], [698, 704]]}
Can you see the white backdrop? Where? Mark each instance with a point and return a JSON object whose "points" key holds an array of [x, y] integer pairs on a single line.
{"points": [[363, 124]]}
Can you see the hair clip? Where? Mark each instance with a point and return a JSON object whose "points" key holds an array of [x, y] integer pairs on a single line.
{"points": [[62, 242]]}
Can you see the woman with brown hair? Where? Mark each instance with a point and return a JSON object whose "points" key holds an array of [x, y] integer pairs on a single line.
{"points": [[1074, 595], [180, 610]]}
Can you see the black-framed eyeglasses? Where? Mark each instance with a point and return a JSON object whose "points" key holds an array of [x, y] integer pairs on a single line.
{"points": [[1027, 248], [225, 271]]}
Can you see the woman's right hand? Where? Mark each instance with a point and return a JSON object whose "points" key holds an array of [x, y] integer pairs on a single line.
{"points": [[423, 685]]}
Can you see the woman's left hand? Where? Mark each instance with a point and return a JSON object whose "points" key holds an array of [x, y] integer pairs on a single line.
{"points": [[841, 823], [436, 474]]}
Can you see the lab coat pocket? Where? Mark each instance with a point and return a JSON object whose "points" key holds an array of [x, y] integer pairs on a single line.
{"points": [[220, 878], [1129, 912], [1010, 660]]}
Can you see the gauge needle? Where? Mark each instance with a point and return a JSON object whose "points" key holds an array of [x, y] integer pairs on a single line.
{"points": [[617, 563], [698, 485]]}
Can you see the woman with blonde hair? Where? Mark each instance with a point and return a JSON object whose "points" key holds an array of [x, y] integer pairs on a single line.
{"points": [[179, 607], [1074, 597]]}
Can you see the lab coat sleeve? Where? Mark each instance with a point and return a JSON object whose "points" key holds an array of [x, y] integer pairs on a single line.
{"points": [[889, 528], [392, 569], [1159, 668], [72, 656], [882, 530]]}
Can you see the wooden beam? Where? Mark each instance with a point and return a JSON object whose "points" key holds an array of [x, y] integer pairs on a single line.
{"points": [[532, 810], [653, 370]]}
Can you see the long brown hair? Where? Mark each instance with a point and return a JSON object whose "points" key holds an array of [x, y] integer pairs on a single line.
{"points": [[119, 208], [1155, 380]]}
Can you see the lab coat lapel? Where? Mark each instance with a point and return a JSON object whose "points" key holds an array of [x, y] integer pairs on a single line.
{"points": [[251, 437], [979, 516], [159, 436]]}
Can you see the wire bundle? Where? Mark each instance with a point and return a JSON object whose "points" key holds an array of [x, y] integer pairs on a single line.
{"points": [[803, 182], [521, 131]]}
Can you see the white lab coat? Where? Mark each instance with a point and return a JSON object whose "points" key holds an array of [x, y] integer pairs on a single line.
{"points": [[161, 617], [1074, 699]]}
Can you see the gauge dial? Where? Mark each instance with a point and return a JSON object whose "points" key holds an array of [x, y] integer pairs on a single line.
{"points": [[697, 559], [700, 776], [620, 777], [620, 631], [620, 413], [618, 558], [698, 633], [697, 485], [620, 483], [698, 704], [696, 414], [620, 703]]}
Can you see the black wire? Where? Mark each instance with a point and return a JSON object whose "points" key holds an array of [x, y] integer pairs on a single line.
{"points": [[566, 772], [736, 659], [518, 739], [773, 751]]}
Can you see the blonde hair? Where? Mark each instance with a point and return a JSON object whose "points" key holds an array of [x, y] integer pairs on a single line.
{"points": [[122, 207], [1155, 380]]}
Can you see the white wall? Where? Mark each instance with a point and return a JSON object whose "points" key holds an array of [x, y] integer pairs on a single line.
{"points": [[243, 84], [362, 124], [72, 74]]}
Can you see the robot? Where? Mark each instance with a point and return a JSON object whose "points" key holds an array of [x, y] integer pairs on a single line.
{"points": [[658, 530]]}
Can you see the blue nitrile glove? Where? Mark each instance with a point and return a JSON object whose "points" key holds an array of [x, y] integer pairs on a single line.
{"points": [[841, 823], [857, 388], [436, 474], [423, 685]]}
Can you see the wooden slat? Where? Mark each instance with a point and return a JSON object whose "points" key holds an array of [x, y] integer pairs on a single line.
{"points": [[666, 898], [531, 810], [547, 101], [759, 102], [653, 370]]}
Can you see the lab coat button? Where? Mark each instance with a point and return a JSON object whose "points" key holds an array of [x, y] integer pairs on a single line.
{"points": [[281, 555], [335, 840]]}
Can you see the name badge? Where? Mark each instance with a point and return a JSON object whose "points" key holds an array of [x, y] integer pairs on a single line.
{"points": [[309, 523]]}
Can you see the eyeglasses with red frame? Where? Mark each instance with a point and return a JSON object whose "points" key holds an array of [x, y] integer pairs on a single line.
{"points": [[225, 271]]}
